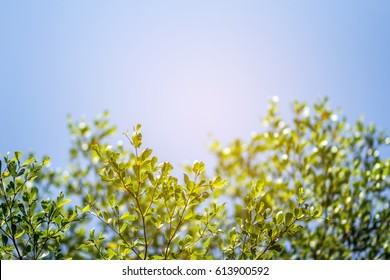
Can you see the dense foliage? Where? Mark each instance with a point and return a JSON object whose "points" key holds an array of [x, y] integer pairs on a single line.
{"points": [[340, 168], [316, 188]]}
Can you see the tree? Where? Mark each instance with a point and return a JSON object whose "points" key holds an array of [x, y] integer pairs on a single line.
{"points": [[31, 227], [313, 189], [339, 167]]}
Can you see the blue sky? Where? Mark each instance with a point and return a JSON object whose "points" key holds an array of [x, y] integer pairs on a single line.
{"points": [[184, 69]]}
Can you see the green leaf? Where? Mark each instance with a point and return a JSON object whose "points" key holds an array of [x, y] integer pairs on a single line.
{"points": [[276, 247], [112, 200], [146, 154], [13, 229], [86, 209], [12, 168], [138, 128], [4, 239], [17, 236], [189, 215], [198, 167], [279, 218], [123, 228], [136, 138], [66, 201], [110, 253], [206, 244], [301, 196], [18, 155], [220, 244], [218, 183], [298, 212], [259, 187], [157, 258], [187, 240], [318, 211], [34, 192], [289, 218], [294, 229], [46, 161], [233, 234], [92, 234], [186, 179], [127, 217], [28, 249]]}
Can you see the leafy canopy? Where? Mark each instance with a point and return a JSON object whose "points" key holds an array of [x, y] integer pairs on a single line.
{"points": [[316, 188]]}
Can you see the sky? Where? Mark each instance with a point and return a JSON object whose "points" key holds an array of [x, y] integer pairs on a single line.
{"points": [[184, 69]]}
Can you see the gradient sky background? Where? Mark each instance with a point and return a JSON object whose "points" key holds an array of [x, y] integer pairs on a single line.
{"points": [[184, 68]]}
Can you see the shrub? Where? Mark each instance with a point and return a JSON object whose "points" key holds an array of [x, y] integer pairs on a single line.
{"points": [[31, 227], [338, 165], [313, 189]]}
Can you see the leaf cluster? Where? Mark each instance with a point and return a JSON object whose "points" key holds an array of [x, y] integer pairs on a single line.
{"points": [[31, 227], [314, 188]]}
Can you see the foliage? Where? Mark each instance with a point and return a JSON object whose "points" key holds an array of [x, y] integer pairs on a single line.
{"points": [[315, 189], [31, 227], [337, 164], [148, 213]]}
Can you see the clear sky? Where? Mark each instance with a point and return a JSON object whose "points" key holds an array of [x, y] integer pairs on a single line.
{"points": [[184, 68]]}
